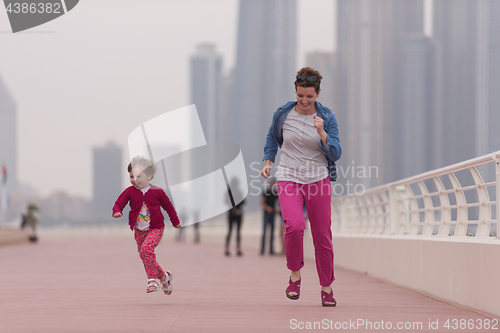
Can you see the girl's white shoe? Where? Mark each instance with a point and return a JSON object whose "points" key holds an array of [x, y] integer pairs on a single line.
{"points": [[168, 279], [154, 284]]}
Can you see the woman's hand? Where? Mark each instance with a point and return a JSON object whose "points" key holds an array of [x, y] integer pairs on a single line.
{"points": [[266, 171], [177, 226], [117, 214], [318, 123]]}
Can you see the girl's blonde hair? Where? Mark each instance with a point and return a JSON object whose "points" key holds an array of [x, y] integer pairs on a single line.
{"points": [[140, 161]]}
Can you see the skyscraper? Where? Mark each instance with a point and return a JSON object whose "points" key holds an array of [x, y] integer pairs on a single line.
{"points": [[370, 36], [455, 30], [206, 83], [8, 135], [264, 73], [107, 178], [416, 98], [325, 63], [488, 77], [493, 10]]}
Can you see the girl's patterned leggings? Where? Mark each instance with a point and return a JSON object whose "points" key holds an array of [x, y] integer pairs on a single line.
{"points": [[147, 240]]}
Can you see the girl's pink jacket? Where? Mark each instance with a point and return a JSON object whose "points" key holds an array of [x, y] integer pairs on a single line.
{"points": [[154, 198]]}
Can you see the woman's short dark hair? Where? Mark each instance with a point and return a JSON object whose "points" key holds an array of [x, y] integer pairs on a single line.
{"points": [[308, 72]]}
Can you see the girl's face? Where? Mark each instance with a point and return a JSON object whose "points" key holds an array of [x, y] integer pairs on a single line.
{"points": [[138, 178], [306, 96]]}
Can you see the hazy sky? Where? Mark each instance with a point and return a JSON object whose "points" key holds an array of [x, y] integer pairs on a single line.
{"points": [[105, 67]]}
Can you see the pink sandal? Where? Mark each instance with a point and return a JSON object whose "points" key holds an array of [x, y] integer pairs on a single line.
{"points": [[327, 298], [293, 287]]}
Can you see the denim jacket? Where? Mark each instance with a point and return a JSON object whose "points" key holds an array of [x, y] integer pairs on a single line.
{"points": [[274, 137]]}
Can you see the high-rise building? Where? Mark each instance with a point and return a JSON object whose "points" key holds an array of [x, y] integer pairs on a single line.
{"points": [[264, 73], [206, 83], [8, 136], [488, 77], [493, 12], [107, 178], [416, 98], [325, 63], [370, 36], [455, 30], [225, 115]]}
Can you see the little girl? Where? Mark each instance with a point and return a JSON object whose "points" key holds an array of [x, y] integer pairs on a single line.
{"points": [[146, 219]]}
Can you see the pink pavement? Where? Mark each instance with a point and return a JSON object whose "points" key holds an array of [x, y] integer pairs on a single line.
{"points": [[99, 285]]}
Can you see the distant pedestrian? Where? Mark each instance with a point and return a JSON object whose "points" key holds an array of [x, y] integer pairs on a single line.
{"points": [[146, 219], [307, 134], [268, 204], [181, 235], [196, 226], [235, 216], [30, 219]]}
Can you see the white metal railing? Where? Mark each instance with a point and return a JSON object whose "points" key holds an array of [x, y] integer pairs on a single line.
{"points": [[438, 202]]}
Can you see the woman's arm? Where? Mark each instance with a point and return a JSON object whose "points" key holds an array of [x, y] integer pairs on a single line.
{"points": [[332, 145], [318, 123], [266, 171], [271, 146]]}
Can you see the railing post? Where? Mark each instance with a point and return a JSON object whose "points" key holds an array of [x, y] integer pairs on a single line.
{"points": [[395, 215], [343, 214], [497, 197]]}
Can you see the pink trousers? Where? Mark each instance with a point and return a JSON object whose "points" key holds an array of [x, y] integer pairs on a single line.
{"points": [[147, 240], [317, 197]]}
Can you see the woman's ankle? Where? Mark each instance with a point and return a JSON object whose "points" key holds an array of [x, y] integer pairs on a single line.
{"points": [[327, 289]]}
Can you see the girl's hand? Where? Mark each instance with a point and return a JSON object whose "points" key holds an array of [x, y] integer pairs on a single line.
{"points": [[117, 214], [177, 226]]}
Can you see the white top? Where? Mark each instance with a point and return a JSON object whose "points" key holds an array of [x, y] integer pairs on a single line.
{"points": [[143, 219], [302, 157]]}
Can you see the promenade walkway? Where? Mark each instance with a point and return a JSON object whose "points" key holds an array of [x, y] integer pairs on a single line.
{"points": [[70, 282]]}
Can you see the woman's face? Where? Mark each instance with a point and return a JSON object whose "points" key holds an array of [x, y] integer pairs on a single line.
{"points": [[305, 99]]}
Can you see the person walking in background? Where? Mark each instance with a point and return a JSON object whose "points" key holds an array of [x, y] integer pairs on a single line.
{"points": [[146, 219], [181, 235], [196, 226], [30, 219], [307, 133], [268, 203], [235, 216]]}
